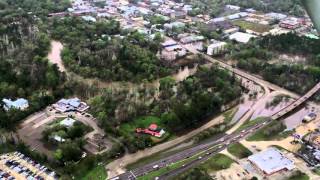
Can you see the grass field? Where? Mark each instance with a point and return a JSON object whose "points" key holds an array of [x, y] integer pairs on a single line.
{"points": [[228, 115], [143, 122], [239, 150], [317, 171], [260, 28], [218, 162], [98, 173], [278, 133]]}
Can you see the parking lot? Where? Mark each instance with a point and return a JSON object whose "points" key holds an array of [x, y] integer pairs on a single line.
{"points": [[30, 131], [18, 166]]}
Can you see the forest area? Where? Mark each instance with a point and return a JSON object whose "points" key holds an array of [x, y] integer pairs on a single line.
{"points": [[256, 57], [177, 106], [25, 71]]}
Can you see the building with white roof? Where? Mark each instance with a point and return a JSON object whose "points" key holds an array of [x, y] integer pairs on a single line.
{"points": [[216, 47], [67, 122], [233, 7], [58, 138], [241, 37], [73, 104], [89, 18], [20, 104], [277, 16], [271, 161]]}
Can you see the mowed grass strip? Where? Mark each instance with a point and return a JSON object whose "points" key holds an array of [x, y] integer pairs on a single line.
{"points": [[239, 151], [273, 131], [218, 162]]}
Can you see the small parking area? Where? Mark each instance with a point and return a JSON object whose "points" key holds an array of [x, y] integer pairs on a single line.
{"points": [[18, 166], [30, 131]]}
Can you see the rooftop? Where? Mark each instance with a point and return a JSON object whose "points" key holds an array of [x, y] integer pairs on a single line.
{"points": [[68, 122], [271, 161], [20, 103], [241, 37]]}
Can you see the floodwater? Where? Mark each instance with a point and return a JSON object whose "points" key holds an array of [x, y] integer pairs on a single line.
{"points": [[54, 55], [263, 111], [248, 102], [295, 119]]}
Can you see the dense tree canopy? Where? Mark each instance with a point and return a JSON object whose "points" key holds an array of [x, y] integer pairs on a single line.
{"points": [[25, 70], [93, 50]]}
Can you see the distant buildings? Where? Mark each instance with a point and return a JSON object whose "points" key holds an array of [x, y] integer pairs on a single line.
{"points": [[73, 104], [20, 104], [170, 26], [276, 16], [241, 37], [191, 39], [290, 23], [171, 50], [271, 161]]}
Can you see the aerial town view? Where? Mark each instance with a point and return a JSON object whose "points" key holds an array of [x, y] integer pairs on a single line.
{"points": [[160, 89]]}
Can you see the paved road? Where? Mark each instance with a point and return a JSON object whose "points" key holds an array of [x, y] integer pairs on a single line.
{"points": [[236, 137], [224, 141]]}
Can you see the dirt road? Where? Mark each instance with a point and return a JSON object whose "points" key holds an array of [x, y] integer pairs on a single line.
{"points": [[54, 55]]}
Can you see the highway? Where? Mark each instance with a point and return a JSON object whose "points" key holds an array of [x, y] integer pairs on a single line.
{"points": [[224, 141]]}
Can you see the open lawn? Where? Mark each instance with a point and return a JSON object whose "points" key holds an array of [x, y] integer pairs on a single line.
{"points": [[239, 150], [228, 115], [259, 28], [274, 130], [143, 122], [98, 173], [218, 162], [317, 171], [128, 129], [250, 123]]}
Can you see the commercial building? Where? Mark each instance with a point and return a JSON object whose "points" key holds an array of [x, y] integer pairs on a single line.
{"points": [[20, 104], [241, 37], [271, 161], [73, 104]]}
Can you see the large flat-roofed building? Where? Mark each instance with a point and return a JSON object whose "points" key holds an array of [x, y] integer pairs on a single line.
{"points": [[271, 161], [73, 104], [241, 37]]}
